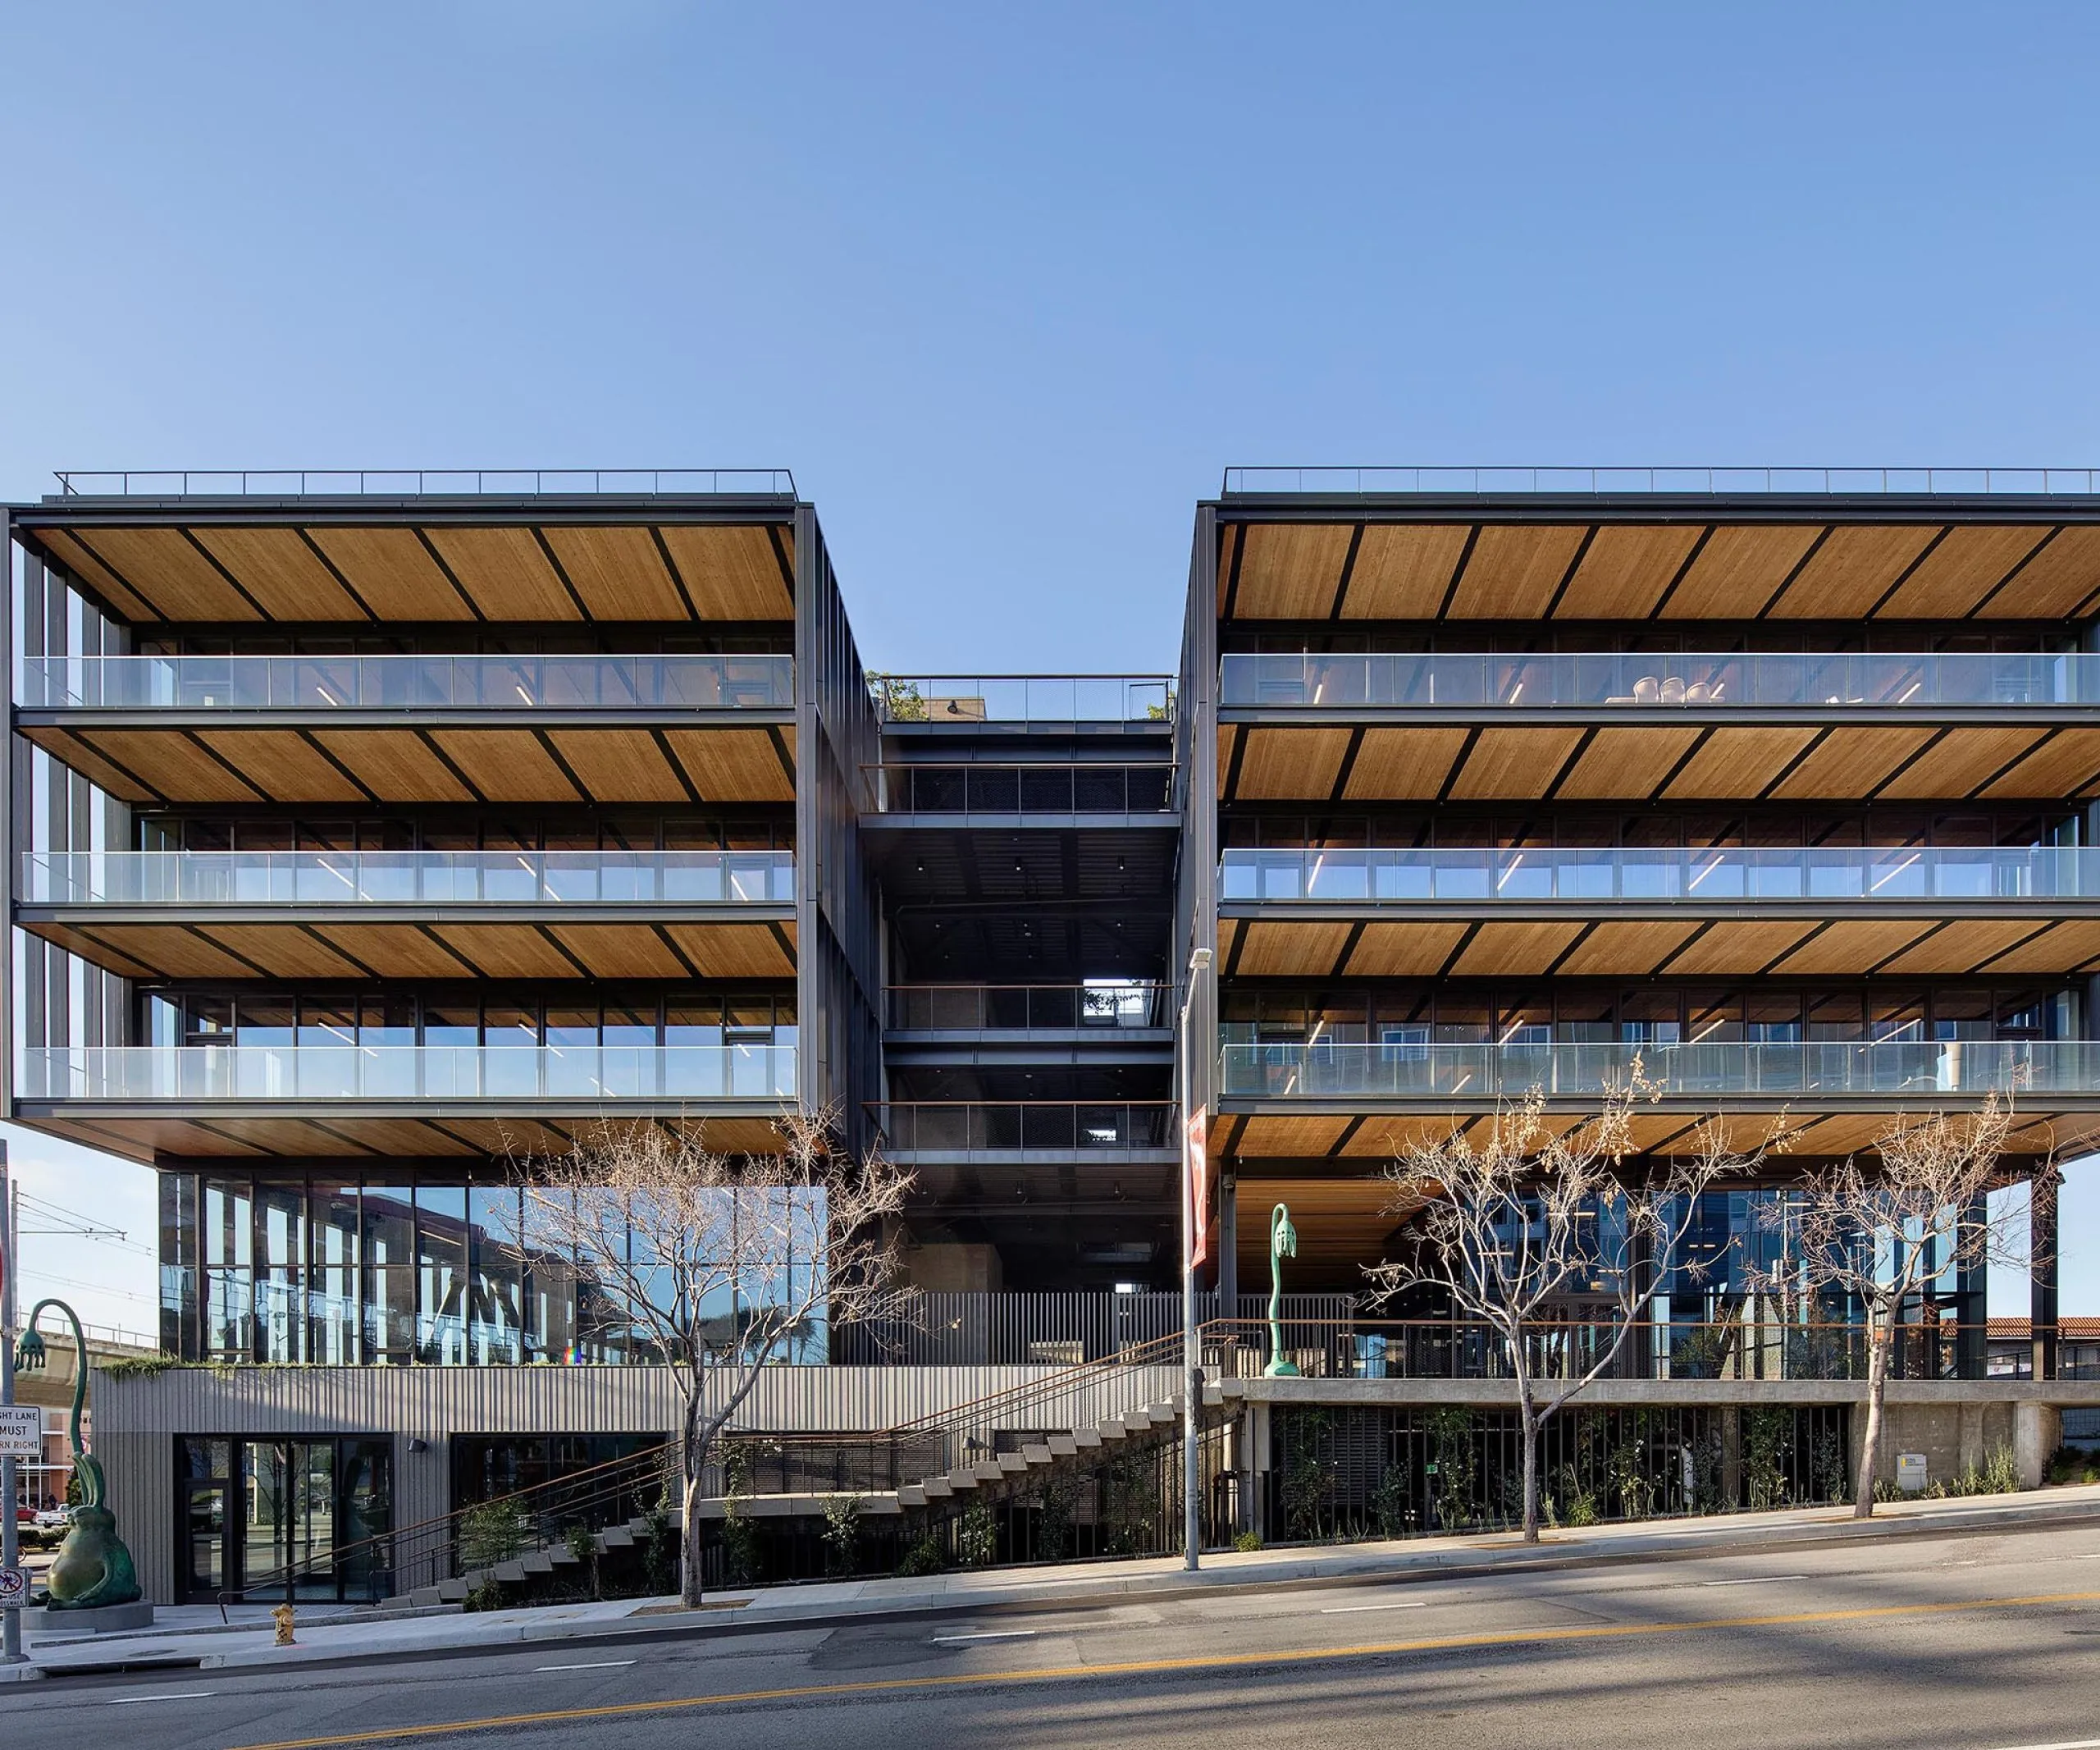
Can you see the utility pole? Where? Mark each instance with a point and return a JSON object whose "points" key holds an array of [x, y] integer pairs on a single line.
{"points": [[10, 1532]]}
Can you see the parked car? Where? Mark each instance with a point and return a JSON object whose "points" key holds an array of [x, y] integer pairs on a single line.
{"points": [[29, 1533], [55, 1522]]}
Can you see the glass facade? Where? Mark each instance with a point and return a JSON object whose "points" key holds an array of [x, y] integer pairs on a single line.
{"points": [[397, 1268], [300, 1518]]}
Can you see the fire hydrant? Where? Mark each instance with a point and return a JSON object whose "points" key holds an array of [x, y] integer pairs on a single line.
{"points": [[283, 1617]]}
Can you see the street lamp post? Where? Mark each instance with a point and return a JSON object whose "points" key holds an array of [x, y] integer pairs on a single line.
{"points": [[1192, 1354]]}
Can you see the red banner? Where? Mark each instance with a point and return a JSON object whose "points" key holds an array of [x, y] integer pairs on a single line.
{"points": [[1199, 1187]]}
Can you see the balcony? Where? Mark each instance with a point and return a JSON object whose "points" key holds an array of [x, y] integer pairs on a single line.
{"points": [[333, 687], [978, 701], [1014, 1130], [1011, 795], [1103, 1006], [1351, 878], [1905, 686], [756, 1075], [1894, 1076], [407, 879]]}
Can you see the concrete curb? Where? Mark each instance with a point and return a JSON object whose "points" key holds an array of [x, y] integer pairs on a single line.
{"points": [[1390, 1564]]}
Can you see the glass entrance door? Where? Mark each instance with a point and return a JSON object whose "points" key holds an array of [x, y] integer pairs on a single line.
{"points": [[266, 1520]]}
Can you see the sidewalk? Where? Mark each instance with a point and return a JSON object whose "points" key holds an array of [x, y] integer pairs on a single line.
{"points": [[191, 1637]]}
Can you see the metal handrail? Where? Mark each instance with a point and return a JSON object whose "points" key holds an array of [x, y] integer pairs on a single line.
{"points": [[996, 787], [1007, 1008], [1477, 478], [301, 482]]}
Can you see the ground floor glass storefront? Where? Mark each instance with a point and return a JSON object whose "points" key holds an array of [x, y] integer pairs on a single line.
{"points": [[300, 1518]]}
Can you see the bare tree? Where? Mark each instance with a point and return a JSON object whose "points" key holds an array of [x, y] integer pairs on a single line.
{"points": [[1876, 1234], [720, 1263], [1516, 1229]]}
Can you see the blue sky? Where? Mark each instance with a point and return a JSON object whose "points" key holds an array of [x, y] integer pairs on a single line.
{"points": [[1008, 288]]}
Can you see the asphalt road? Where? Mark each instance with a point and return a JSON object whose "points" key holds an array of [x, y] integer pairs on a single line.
{"points": [[1977, 1642]]}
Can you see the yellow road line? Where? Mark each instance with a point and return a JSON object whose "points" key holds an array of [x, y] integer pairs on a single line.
{"points": [[1141, 1667]]}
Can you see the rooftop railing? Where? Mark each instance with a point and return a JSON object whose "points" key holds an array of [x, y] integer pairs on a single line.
{"points": [[1657, 680], [1414, 1068], [466, 682], [1023, 789], [967, 699], [974, 1126], [1106, 1005], [1832, 481], [407, 878], [416, 482], [1712, 875], [358, 1071]]}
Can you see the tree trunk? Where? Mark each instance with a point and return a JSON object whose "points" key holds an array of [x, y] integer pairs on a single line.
{"points": [[689, 1537], [1878, 1336], [1528, 1413]]}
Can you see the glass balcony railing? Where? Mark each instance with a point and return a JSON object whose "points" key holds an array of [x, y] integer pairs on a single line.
{"points": [[1104, 1005], [1022, 698], [1657, 679], [1408, 1070], [1715, 874], [407, 878], [971, 1125], [351, 1072], [326, 683]]}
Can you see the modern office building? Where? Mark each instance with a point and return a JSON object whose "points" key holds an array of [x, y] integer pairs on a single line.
{"points": [[369, 833]]}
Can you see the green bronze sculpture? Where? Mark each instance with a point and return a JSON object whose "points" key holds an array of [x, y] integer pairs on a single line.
{"points": [[93, 1567], [1283, 1243]]}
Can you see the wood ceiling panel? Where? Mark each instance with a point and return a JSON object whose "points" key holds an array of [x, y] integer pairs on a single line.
{"points": [[1631, 763], [1851, 945], [2063, 766], [1963, 945], [1514, 570], [1733, 949], [398, 950], [70, 750], [1628, 949], [283, 950], [1963, 759], [173, 765], [286, 766], [395, 764], [143, 1139], [1291, 765], [1298, 1137], [1228, 739], [1514, 950], [1737, 570], [2072, 945], [1842, 1133], [124, 1144], [393, 572], [1290, 570], [1403, 764], [736, 950], [161, 564], [1962, 570], [734, 765], [78, 562], [1736, 763], [1853, 761], [177, 952], [1518, 763], [621, 950], [1852, 570], [1627, 568], [294, 1137], [1382, 1136], [2055, 582], [507, 766], [103, 948], [1403, 950], [280, 571], [732, 572], [505, 572], [620, 766], [1310, 950], [617, 571], [1402, 569], [505, 950]]}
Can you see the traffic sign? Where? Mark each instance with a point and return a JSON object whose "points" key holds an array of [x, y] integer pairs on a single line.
{"points": [[21, 1431], [14, 1588]]}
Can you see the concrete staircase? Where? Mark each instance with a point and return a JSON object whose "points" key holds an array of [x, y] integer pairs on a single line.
{"points": [[993, 1475]]}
